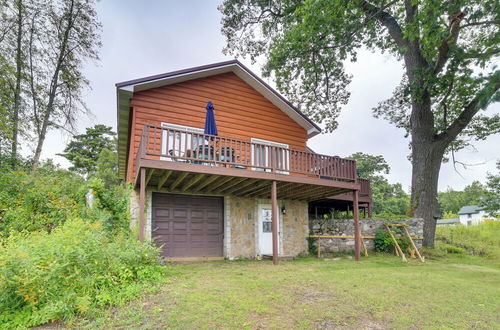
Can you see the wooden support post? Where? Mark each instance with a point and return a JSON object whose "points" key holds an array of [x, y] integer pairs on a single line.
{"points": [[370, 209], [365, 250], [357, 230], [274, 224], [142, 200], [319, 248], [397, 247], [413, 243]]}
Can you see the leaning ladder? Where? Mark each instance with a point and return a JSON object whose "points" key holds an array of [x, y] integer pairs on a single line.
{"points": [[399, 251]]}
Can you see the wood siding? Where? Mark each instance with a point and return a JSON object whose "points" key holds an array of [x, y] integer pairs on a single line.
{"points": [[240, 111]]}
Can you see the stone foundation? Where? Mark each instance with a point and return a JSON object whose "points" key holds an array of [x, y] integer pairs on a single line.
{"points": [[345, 227]]}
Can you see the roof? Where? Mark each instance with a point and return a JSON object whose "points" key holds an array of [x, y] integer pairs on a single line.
{"points": [[126, 89], [470, 209], [447, 221]]}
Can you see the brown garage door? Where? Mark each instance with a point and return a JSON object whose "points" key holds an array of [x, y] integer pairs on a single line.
{"points": [[188, 226]]}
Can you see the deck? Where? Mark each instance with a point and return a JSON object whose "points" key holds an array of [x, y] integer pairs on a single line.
{"points": [[186, 162]]}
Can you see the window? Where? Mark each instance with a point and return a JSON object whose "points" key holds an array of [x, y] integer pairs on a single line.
{"points": [[469, 216], [178, 142], [263, 154]]}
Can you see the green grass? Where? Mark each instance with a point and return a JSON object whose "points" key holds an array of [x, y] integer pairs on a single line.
{"points": [[457, 291], [483, 239]]}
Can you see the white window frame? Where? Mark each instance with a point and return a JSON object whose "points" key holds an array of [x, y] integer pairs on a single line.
{"points": [[182, 140], [274, 144]]}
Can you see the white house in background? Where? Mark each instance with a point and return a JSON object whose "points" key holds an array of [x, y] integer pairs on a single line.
{"points": [[472, 215]]}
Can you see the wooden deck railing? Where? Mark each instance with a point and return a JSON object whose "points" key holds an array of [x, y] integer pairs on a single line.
{"points": [[197, 148]]}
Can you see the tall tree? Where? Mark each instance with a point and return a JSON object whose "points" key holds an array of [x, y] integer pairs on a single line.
{"points": [[447, 48], [84, 150], [69, 36]]}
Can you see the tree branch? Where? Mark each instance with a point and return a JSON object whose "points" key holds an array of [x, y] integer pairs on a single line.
{"points": [[481, 100], [386, 20], [451, 39], [495, 22]]}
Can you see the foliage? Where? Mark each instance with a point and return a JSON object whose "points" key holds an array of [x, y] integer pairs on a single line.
{"points": [[451, 200], [84, 150], [312, 247], [491, 201], [107, 168], [389, 200], [40, 200], [384, 243], [482, 239], [47, 197], [307, 43], [113, 204], [72, 271]]}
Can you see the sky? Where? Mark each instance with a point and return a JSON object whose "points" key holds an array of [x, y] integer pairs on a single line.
{"points": [[142, 38]]}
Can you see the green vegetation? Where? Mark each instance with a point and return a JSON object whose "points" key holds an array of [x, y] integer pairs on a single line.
{"points": [[483, 239], [381, 292], [451, 200], [60, 258], [384, 242], [73, 270], [389, 200]]}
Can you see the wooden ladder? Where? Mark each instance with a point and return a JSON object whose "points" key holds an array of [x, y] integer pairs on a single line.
{"points": [[399, 251]]}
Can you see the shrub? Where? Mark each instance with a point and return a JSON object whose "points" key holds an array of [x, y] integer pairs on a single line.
{"points": [[384, 243], [40, 200], [75, 269]]}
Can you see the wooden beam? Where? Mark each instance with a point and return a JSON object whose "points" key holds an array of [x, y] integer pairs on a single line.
{"points": [[240, 186], [150, 175], [218, 184], [206, 183], [251, 188], [357, 230], [274, 224], [262, 191], [179, 179], [230, 185], [195, 179], [164, 179], [142, 201]]}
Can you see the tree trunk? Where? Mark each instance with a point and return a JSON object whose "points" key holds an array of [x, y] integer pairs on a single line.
{"points": [[425, 175], [426, 163], [53, 87], [17, 91]]}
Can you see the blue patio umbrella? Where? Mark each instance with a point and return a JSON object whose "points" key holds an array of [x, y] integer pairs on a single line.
{"points": [[210, 125]]}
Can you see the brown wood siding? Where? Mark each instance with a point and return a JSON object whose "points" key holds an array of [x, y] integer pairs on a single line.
{"points": [[240, 111]]}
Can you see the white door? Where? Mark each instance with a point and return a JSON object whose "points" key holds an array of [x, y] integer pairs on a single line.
{"points": [[265, 230]]}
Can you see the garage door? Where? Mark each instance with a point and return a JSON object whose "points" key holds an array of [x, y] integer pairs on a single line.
{"points": [[188, 226]]}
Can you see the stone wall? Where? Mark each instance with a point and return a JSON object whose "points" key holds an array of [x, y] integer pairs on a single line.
{"points": [[345, 227], [241, 227], [295, 228]]}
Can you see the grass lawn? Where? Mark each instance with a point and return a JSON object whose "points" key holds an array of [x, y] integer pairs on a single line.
{"points": [[378, 292]]}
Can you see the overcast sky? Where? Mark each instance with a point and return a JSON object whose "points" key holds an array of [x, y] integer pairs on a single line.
{"points": [[142, 38]]}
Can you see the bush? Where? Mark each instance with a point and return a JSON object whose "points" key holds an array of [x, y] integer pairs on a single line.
{"points": [[39, 201], [384, 243], [73, 270]]}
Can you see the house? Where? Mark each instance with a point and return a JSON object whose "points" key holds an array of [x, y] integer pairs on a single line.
{"points": [[448, 222], [471, 215], [239, 194]]}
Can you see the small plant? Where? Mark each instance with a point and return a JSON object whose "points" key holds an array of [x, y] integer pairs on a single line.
{"points": [[313, 248], [384, 242]]}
